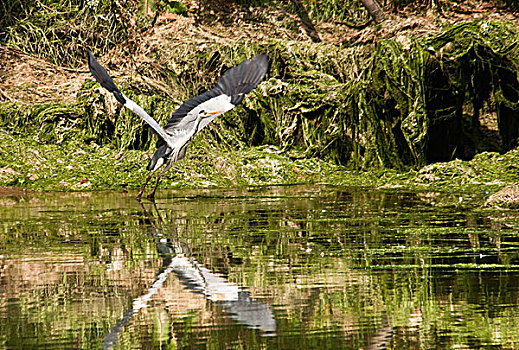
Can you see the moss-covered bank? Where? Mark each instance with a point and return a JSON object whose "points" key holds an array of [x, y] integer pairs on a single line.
{"points": [[75, 166], [325, 112]]}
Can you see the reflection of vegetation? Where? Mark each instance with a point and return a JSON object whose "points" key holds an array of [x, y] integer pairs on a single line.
{"points": [[341, 268]]}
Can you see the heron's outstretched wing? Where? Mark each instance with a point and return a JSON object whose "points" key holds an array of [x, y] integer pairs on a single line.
{"points": [[102, 77], [227, 93]]}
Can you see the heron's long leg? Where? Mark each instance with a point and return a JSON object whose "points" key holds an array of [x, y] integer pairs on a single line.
{"points": [[144, 186], [152, 194]]}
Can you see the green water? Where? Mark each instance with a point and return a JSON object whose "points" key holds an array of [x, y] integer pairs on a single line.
{"points": [[295, 267]]}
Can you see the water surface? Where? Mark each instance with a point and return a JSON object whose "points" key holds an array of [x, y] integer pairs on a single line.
{"points": [[291, 267]]}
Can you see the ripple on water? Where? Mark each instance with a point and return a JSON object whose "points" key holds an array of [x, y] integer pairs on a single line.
{"points": [[277, 267]]}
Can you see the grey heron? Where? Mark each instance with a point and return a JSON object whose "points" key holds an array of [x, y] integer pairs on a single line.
{"points": [[193, 115]]}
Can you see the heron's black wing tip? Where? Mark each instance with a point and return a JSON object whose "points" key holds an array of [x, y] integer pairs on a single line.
{"points": [[244, 77], [262, 57], [262, 60], [92, 61], [103, 78]]}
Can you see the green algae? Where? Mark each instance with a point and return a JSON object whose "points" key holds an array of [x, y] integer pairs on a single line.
{"points": [[369, 116], [378, 106], [488, 171], [75, 166]]}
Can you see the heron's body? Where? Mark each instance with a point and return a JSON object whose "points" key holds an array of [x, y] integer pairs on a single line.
{"points": [[183, 135], [194, 114]]}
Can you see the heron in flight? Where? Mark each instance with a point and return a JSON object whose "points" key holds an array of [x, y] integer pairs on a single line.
{"points": [[193, 115]]}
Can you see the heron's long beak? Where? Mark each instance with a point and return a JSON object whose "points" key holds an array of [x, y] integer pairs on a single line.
{"points": [[213, 113]]}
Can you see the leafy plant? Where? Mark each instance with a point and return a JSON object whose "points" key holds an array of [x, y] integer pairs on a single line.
{"points": [[175, 7]]}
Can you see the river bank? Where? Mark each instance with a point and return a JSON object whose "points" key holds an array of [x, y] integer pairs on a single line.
{"points": [[423, 102]]}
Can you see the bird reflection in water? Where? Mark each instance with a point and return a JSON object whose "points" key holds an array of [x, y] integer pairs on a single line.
{"points": [[176, 258]]}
